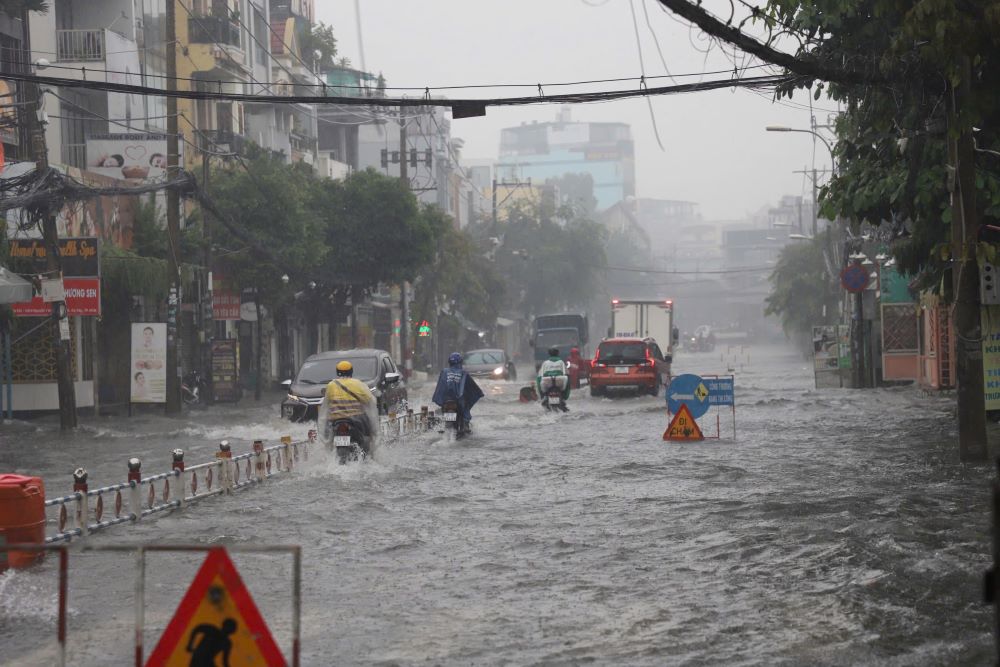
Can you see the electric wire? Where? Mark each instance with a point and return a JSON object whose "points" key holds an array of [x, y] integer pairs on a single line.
{"points": [[642, 68]]}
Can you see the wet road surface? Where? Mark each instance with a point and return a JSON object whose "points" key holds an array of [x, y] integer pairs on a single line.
{"points": [[839, 528]]}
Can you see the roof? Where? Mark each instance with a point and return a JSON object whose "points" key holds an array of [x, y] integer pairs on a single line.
{"points": [[340, 354]]}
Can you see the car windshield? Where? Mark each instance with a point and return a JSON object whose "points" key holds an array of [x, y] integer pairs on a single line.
{"points": [[557, 338], [622, 353], [484, 357], [321, 371]]}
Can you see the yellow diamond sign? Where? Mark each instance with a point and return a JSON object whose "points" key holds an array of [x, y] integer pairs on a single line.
{"points": [[701, 392]]}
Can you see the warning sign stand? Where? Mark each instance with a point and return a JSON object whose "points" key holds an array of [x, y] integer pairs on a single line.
{"points": [[217, 617], [698, 395], [683, 427]]}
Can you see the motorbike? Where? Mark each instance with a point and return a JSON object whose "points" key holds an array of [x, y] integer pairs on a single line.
{"points": [[193, 388], [453, 419], [553, 399], [348, 439]]}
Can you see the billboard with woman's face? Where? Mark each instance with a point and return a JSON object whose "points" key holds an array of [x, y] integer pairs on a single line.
{"points": [[148, 370]]}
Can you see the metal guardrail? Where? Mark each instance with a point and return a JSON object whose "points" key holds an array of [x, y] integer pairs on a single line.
{"points": [[83, 511]]}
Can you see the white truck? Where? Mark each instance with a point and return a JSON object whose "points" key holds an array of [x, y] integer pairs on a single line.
{"points": [[632, 318]]}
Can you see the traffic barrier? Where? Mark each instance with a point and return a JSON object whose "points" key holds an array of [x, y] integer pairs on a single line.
{"points": [[22, 517], [83, 511]]}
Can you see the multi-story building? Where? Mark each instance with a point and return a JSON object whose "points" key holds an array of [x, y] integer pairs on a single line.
{"points": [[542, 151]]}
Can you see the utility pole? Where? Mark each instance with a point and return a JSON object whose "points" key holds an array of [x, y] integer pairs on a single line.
{"points": [[207, 314], [53, 265], [173, 223], [965, 277], [405, 361], [494, 204]]}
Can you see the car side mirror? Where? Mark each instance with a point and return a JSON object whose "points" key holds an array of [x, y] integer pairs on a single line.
{"points": [[392, 378], [675, 334], [286, 384], [669, 358]]}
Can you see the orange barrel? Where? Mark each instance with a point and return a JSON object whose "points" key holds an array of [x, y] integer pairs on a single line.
{"points": [[22, 517]]}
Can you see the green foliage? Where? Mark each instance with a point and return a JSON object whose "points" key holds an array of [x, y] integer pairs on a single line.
{"points": [[373, 231], [459, 279], [318, 37], [892, 138], [551, 259], [267, 201], [801, 287]]}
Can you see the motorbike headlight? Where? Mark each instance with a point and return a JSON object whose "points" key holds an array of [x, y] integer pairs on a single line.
{"points": [[293, 397], [498, 371]]}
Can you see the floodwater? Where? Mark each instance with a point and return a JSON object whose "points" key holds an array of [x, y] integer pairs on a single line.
{"points": [[838, 528]]}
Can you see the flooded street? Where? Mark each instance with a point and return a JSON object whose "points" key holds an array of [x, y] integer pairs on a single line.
{"points": [[839, 528]]}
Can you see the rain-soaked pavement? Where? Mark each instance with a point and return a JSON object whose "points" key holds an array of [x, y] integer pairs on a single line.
{"points": [[839, 528]]}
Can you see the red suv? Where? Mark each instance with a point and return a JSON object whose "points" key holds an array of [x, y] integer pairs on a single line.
{"points": [[635, 364]]}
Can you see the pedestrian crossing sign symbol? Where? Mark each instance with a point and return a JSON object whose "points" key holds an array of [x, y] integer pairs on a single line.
{"points": [[683, 426], [216, 623]]}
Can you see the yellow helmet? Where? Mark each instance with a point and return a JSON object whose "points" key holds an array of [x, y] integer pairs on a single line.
{"points": [[345, 369]]}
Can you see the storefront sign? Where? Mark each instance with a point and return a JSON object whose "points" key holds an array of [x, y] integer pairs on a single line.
{"points": [[83, 299], [148, 370], [79, 255], [225, 305], [991, 356], [137, 157], [225, 370]]}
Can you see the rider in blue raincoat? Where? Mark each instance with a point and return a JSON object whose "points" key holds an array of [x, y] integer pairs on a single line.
{"points": [[454, 384]]}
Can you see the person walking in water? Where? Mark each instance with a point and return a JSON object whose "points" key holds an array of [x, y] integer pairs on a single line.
{"points": [[213, 642]]}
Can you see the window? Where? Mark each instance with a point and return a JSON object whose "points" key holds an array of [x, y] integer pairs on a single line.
{"points": [[260, 32]]}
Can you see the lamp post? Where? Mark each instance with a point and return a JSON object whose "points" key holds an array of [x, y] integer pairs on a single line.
{"points": [[833, 165]]}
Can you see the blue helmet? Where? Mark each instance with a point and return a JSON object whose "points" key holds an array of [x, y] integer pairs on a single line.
{"points": [[455, 359]]}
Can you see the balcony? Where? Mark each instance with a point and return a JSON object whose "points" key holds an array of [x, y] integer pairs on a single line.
{"points": [[80, 45], [213, 30], [222, 141]]}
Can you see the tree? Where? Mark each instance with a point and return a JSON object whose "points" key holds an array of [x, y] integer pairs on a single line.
{"points": [[802, 292], [551, 259], [266, 199], [318, 37], [458, 281], [921, 71], [374, 234]]}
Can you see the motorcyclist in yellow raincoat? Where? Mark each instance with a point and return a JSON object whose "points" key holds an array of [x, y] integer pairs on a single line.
{"points": [[347, 398]]}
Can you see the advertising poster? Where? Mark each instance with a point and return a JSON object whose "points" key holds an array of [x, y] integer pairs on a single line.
{"points": [[148, 370], [225, 370], [137, 157]]}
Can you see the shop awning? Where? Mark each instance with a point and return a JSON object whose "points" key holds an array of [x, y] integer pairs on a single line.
{"points": [[14, 288]]}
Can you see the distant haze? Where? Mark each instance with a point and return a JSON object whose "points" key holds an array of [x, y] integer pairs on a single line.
{"points": [[717, 151]]}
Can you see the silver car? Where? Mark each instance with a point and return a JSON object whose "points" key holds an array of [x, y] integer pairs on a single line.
{"points": [[490, 363]]}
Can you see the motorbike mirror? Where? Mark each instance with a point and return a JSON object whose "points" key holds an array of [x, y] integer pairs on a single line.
{"points": [[286, 384], [531, 343], [392, 378]]}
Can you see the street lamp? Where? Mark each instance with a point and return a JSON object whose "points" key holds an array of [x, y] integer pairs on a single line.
{"points": [[833, 166]]}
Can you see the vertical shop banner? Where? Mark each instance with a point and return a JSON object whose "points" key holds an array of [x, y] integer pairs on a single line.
{"points": [[991, 356], [148, 370]]}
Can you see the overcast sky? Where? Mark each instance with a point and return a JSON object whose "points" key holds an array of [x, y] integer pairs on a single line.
{"points": [[716, 150]]}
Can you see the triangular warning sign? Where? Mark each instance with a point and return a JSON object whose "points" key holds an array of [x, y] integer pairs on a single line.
{"points": [[217, 622], [683, 426]]}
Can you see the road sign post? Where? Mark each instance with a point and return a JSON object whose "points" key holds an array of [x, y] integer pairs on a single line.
{"points": [[697, 394]]}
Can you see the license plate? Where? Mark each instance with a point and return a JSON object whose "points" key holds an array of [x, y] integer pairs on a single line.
{"points": [[554, 400], [451, 416], [621, 370], [341, 441]]}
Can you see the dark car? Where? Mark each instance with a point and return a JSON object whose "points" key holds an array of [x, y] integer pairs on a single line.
{"points": [[489, 364], [373, 367], [632, 364]]}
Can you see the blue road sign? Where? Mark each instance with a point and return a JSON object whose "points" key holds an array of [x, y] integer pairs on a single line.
{"points": [[689, 390], [721, 391]]}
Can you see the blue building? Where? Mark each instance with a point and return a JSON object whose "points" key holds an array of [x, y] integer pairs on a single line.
{"points": [[540, 151]]}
